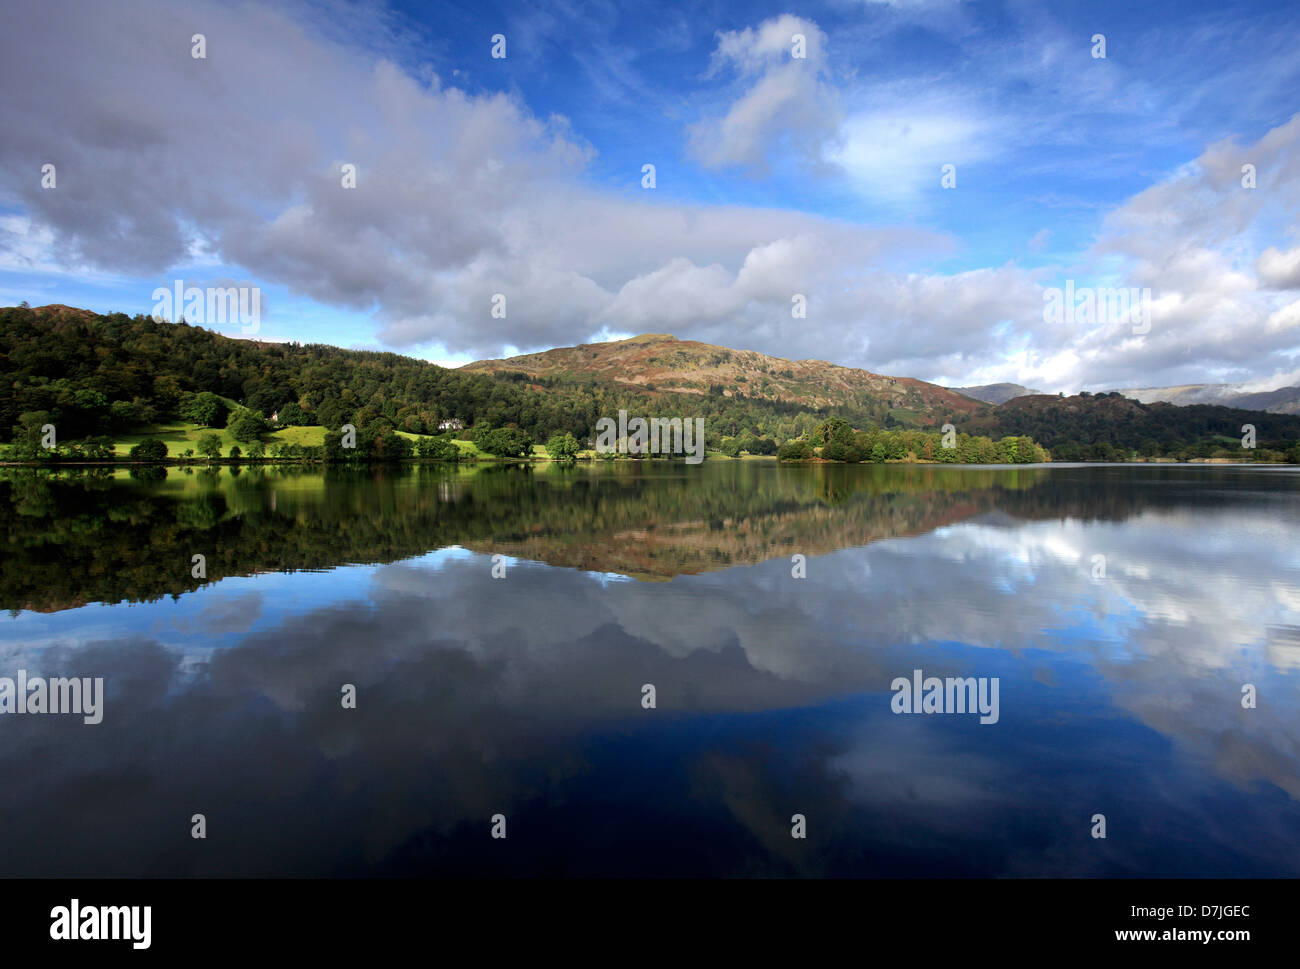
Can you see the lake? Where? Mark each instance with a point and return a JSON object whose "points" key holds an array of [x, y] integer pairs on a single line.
{"points": [[499, 627]]}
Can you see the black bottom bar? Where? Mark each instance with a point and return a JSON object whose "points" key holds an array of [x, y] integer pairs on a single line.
{"points": [[921, 918]]}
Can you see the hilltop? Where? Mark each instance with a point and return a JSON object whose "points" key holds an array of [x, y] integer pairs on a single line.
{"points": [[666, 365], [996, 393]]}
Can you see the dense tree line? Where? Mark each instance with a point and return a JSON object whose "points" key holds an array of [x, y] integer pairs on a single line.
{"points": [[837, 440], [1111, 427]]}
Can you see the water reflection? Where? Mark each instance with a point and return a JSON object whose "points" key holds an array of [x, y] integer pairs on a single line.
{"points": [[1119, 695]]}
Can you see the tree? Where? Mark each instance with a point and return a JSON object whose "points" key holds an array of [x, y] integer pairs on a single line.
{"points": [[840, 445], [122, 415], [235, 453], [256, 449], [828, 428], [509, 442], [439, 449], [98, 449], [332, 413], [205, 409], [151, 450], [795, 450], [247, 426], [563, 447], [210, 446], [1027, 452], [292, 414], [385, 445]]}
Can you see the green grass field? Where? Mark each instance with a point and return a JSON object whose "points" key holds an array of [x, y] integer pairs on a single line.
{"points": [[180, 436], [306, 436], [177, 436]]}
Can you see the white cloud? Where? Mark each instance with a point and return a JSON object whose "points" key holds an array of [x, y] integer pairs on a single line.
{"points": [[1278, 269], [1287, 318], [788, 103], [894, 154]]}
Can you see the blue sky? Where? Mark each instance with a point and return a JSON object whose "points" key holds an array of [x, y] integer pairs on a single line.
{"points": [[775, 175]]}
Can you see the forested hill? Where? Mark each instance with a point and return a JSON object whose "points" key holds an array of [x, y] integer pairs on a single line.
{"points": [[105, 374], [91, 374], [688, 368], [1113, 427]]}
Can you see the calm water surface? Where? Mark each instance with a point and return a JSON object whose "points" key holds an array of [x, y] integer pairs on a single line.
{"points": [[522, 696]]}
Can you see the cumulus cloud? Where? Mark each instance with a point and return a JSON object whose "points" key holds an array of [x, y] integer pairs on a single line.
{"points": [[1287, 318], [1199, 240], [1279, 269], [788, 101]]}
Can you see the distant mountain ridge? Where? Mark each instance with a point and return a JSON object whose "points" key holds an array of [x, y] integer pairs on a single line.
{"points": [[1283, 400], [996, 393]]}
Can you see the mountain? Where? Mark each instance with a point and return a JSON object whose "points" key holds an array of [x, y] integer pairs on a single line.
{"points": [[996, 393], [1284, 400], [665, 364]]}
